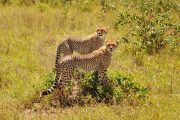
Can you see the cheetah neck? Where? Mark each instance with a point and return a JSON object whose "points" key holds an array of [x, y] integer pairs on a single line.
{"points": [[103, 37], [95, 36], [105, 51]]}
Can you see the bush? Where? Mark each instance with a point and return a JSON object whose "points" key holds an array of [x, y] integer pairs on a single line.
{"points": [[42, 7], [107, 5], [4, 2], [152, 27], [120, 88]]}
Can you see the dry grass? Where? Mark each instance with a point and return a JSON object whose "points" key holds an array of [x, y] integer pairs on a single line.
{"points": [[28, 40]]}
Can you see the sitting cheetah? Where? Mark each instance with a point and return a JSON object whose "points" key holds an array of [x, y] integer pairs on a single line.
{"points": [[81, 45], [98, 60]]}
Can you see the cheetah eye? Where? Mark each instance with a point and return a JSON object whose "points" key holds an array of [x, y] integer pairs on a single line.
{"points": [[108, 45], [98, 30], [103, 31], [113, 45]]}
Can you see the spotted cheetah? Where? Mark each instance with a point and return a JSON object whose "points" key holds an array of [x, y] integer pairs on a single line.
{"points": [[81, 45], [98, 60]]}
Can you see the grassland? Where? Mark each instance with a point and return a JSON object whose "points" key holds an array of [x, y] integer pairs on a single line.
{"points": [[28, 39]]}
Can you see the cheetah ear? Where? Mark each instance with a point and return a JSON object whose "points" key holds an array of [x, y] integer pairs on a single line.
{"points": [[107, 28], [106, 41], [118, 41], [98, 26]]}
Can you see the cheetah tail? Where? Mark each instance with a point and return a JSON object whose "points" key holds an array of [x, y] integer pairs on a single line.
{"points": [[50, 90], [58, 54]]}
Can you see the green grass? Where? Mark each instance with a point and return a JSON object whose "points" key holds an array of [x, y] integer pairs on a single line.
{"points": [[28, 40]]}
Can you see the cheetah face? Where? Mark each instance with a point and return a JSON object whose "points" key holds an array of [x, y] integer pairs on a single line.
{"points": [[111, 46], [101, 32]]}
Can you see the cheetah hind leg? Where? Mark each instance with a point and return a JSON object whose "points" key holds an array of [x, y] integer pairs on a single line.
{"points": [[73, 97]]}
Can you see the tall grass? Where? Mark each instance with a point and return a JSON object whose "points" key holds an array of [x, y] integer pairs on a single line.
{"points": [[28, 39]]}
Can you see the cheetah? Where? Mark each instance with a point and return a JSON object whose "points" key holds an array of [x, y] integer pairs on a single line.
{"points": [[81, 45], [98, 60]]}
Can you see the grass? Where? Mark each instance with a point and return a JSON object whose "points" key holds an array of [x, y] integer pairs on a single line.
{"points": [[28, 40]]}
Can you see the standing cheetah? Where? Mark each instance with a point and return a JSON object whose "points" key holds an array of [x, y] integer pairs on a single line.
{"points": [[81, 45], [98, 60]]}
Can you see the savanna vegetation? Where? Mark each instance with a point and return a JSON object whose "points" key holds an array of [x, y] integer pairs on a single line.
{"points": [[144, 73]]}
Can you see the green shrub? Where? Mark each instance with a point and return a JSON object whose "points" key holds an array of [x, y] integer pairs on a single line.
{"points": [[83, 5], [4, 2], [107, 5], [49, 79], [152, 27], [43, 7], [119, 88]]}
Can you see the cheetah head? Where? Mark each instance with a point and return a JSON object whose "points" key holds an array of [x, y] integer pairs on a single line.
{"points": [[111, 45], [101, 32]]}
